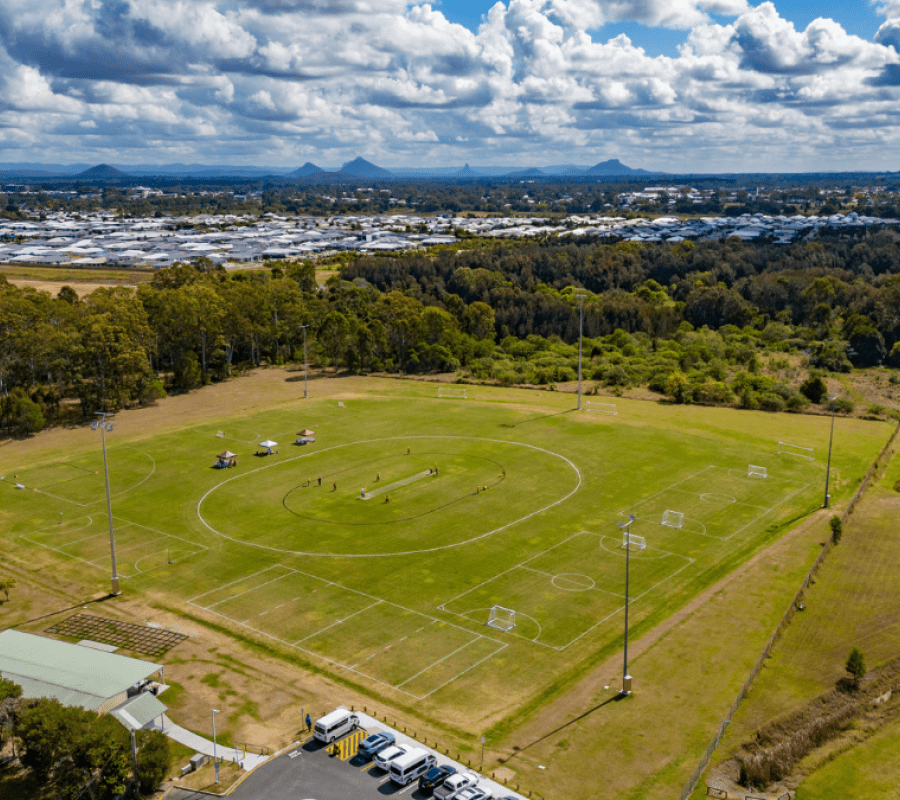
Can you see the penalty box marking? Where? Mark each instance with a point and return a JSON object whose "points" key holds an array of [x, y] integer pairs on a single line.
{"points": [[288, 571], [114, 494], [674, 487], [521, 565], [195, 548]]}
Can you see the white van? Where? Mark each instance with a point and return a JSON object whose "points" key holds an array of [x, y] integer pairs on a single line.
{"points": [[410, 766], [335, 725]]}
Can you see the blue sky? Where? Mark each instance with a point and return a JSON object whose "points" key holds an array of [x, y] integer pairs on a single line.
{"points": [[673, 85]]}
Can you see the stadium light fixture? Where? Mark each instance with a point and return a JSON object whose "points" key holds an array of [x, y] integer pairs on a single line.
{"points": [[830, 440], [103, 426], [626, 678], [215, 754], [580, 334], [305, 364]]}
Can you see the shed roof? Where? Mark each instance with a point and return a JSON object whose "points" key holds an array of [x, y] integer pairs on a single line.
{"points": [[135, 713], [76, 676]]}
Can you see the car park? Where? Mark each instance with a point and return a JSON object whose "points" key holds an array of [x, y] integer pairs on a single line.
{"points": [[386, 756], [451, 787], [375, 743], [435, 777]]}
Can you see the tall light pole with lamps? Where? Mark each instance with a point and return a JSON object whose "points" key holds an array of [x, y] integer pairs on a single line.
{"points": [[626, 678], [103, 426], [580, 334], [215, 754], [305, 364], [830, 440]]}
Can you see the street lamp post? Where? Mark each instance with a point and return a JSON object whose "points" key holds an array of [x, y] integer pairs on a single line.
{"points": [[626, 678], [305, 364], [830, 440], [103, 427], [215, 754], [580, 334]]}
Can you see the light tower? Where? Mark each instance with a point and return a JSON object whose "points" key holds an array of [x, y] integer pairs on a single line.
{"points": [[103, 426], [830, 440], [580, 334], [626, 678]]}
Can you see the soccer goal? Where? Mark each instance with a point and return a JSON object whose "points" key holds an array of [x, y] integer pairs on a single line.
{"points": [[633, 542], [452, 391], [220, 435], [754, 471], [503, 619], [602, 408], [785, 449], [673, 519]]}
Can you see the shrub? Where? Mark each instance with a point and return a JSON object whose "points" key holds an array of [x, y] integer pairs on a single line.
{"points": [[837, 528]]}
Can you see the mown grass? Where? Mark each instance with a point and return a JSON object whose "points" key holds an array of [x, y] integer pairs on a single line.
{"points": [[622, 461]]}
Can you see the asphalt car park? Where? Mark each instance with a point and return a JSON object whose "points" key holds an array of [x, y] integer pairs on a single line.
{"points": [[309, 771]]}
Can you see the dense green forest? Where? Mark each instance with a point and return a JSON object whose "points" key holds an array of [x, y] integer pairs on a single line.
{"points": [[712, 322]]}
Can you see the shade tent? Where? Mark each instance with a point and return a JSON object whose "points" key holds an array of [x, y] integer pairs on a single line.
{"points": [[227, 455], [306, 436], [268, 444], [226, 459]]}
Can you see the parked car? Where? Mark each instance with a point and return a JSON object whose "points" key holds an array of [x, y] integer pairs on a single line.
{"points": [[473, 793], [375, 743], [435, 777], [454, 784], [386, 756]]}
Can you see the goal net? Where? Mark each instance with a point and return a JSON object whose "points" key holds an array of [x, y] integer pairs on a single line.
{"points": [[754, 471], [503, 619], [633, 542], [452, 391], [673, 519], [786, 449], [602, 408]]}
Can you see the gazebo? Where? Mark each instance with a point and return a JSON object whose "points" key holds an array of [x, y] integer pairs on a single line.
{"points": [[306, 436], [226, 459], [268, 444]]}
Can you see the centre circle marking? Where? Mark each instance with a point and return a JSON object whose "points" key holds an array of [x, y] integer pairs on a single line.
{"points": [[577, 582], [715, 497], [287, 551]]}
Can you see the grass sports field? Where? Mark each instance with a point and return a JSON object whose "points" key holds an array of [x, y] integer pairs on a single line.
{"points": [[430, 512]]}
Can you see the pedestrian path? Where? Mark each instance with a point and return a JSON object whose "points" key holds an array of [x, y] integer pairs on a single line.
{"points": [[197, 743]]}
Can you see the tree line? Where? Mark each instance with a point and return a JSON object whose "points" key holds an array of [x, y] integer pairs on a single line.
{"points": [[699, 322]]}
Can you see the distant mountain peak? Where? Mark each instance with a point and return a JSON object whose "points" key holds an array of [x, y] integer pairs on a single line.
{"points": [[467, 172], [102, 171], [307, 169], [613, 166], [361, 168]]}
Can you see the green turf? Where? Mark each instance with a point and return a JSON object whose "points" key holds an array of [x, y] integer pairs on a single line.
{"points": [[869, 770], [393, 589]]}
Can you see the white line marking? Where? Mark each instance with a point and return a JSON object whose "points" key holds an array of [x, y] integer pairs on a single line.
{"points": [[399, 552]]}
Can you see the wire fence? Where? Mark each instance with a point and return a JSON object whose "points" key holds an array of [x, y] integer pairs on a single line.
{"points": [[694, 779]]}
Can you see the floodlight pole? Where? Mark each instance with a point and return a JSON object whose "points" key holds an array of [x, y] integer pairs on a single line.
{"points": [[830, 440], [104, 427], [215, 755], [305, 364], [626, 678], [580, 334]]}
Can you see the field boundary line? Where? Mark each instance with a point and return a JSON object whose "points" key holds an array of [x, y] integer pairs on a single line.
{"points": [[475, 638], [503, 646], [337, 621], [378, 600], [272, 549]]}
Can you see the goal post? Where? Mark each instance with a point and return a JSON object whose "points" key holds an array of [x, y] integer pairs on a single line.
{"points": [[673, 519], [503, 619], [754, 471], [785, 449], [633, 542], [601, 408], [452, 391]]}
